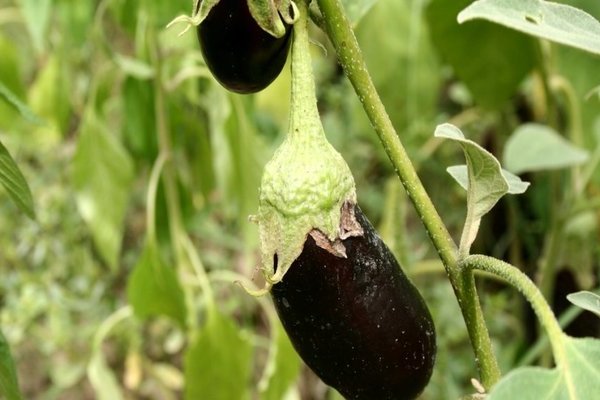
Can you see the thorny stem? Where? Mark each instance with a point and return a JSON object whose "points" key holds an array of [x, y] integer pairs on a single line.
{"points": [[348, 51]]}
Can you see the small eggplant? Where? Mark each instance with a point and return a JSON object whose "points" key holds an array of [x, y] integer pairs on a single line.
{"points": [[358, 322]]}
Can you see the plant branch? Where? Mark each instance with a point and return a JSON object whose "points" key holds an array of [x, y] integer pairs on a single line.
{"points": [[520, 281], [349, 54]]}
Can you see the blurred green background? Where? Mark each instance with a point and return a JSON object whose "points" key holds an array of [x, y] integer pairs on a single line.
{"points": [[83, 299]]}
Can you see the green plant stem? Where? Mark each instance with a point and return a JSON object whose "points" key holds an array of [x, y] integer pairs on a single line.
{"points": [[349, 54], [519, 280], [185, 253]]}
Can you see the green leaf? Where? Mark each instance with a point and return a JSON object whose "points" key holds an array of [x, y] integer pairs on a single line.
{"points": [[153, 288], [37, 15], [473, 50], [285, 368], [587, 300], [15, 184], [577, 379], [487, 184], [536, 147], [460, 174], [547, 20], [218, 363], [102, 174], [9, 384], [21, 107], [134, 67], [356, 9], [49, 97], [102, 378]]}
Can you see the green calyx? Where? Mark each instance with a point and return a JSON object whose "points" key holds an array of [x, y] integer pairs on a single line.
{"points": [[307, 185], [271, 15]]}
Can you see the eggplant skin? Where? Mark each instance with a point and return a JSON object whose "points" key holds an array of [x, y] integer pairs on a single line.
{"points": [[239, 53], [358, 322]]}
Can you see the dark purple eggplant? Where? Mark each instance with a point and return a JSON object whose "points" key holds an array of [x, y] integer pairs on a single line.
{"points": [[239, 53], [358, 322]]}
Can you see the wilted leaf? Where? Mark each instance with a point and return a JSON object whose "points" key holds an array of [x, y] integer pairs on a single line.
{"points": [[15, 184], [587, 300], [577, 379], [102, 174], [9, 385], [536, 147], [475, 49], [218, 362], [547, 20], [153, 288]]}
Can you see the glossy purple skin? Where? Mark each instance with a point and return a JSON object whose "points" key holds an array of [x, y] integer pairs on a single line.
{"points": [[239, 53], [358, 322]]}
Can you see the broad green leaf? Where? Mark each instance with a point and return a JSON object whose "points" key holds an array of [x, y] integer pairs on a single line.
{"points": [[536, 147], [154, 289], [102, 174], [102, 378], [475, 50], [486, 182], [15, 184], [587, 300], [139, 131], [578, 378], [9, 384], [547, 20], [460, 174], [218, 363], [285, 369], [21, 107], [37, 15], [356, 9]]}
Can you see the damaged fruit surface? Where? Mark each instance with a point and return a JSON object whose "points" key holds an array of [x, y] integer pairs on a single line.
{"points": [[357, 321]]}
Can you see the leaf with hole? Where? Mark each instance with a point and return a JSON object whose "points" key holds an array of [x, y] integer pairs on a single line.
{"points": [[559, 23]]}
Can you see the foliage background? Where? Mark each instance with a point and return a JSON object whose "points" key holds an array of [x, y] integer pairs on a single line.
{"points": [[94, 71]]}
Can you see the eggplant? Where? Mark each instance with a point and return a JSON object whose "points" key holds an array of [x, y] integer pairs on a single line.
{"points": [[358, 322]]}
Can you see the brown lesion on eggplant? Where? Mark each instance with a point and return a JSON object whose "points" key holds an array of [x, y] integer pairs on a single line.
{"points": [[349, 227]]}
